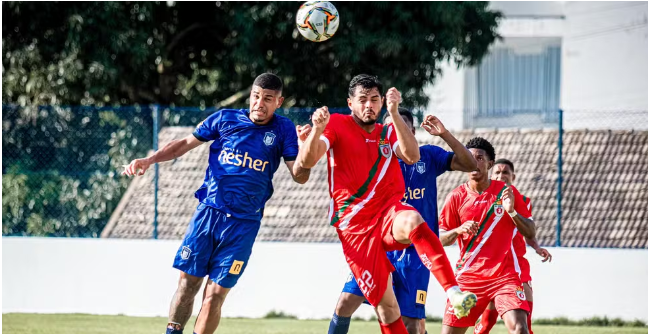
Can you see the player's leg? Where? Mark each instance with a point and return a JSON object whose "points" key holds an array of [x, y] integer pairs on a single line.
{"points": [[453, 330], [515, 321], [528, 291], [388, 312], [192, 259], [408, 227], [350, 299], [422, 326], [488, 319], [182, 302], [210, 310], [454, 325], [411, 279], [234, 240]]}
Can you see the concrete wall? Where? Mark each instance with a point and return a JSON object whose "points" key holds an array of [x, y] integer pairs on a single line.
{"points": [[134, 277]]}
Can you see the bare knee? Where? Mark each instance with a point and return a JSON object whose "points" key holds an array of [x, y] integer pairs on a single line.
{"points": [[189, 285], [515, 321], [404, 224], [388, 312], [348, 304]]}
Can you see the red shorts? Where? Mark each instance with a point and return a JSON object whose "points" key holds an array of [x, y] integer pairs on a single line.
{"points": [[366, 253], [525, 269], [506, 293]]}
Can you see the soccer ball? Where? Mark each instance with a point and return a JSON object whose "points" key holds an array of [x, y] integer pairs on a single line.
{"points": [[317, 20]]}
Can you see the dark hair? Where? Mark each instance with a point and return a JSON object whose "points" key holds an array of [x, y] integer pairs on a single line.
{"points": [[404, 112], [365, 81], [505, 162], [482, 144], [269, 81]]}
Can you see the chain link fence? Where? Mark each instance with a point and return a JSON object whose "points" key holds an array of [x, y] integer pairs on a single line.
{"points": [[588, 182]]}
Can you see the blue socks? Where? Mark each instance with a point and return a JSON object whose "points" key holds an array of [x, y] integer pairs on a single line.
{"points": [[171, 329], [339, 325]]}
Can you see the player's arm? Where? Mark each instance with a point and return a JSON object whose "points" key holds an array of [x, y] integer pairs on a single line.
{"points": [[170, 151], [407, 148], [449, 237], [313, 147], [525, 225], [539, 250], [462, 160], [298, 173]]}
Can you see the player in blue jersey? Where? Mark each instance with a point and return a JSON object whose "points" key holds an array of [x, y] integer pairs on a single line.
{"points": [[246, 151], [411, 277]]}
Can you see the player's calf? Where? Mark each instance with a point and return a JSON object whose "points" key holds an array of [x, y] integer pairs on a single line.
{"points": [[182, 303], [210, 311]]}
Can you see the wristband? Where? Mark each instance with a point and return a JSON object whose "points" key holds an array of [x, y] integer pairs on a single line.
{"points": [[513, 214]]}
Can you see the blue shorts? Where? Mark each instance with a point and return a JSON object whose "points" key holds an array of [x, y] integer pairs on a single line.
{"points": [[216, 245], [411, 279]]}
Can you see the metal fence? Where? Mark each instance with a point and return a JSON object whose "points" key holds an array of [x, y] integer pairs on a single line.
{"points": [[61, 165]]}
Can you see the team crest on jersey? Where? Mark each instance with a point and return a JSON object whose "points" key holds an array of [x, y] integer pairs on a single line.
{"points": [[520, 293], [385, 149], [420, 167], [499, 209], [269, 138], [185, 253]]}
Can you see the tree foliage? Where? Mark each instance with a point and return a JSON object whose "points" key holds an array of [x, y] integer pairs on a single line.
{"points": [[60, 162]]}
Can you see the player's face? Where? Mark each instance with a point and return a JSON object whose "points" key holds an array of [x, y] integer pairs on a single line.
{"points": [[484, 163], [503, 172], [263, 103], [366, 104], [388, 121]]}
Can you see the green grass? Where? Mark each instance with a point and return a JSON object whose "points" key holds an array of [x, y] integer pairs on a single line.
{"points": [[21, 323]]}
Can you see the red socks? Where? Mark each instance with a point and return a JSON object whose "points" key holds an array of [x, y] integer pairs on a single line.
{"points": [[431, 252], [488, 320], [529, 316], [396, 327]]}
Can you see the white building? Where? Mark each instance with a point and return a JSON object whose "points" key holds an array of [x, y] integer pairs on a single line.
{"points": [[588, 58]]}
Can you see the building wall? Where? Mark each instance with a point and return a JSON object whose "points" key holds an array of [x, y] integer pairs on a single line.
{"points": [[603, 61], [135, 277]]}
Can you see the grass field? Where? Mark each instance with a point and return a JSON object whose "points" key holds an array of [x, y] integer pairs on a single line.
{"points": [[20, 323]]}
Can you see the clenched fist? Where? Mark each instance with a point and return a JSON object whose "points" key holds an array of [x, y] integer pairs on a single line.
{"points": [[321, 118]]}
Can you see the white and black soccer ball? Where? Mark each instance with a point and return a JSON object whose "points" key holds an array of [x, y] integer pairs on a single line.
{"points": [[317, 21]]}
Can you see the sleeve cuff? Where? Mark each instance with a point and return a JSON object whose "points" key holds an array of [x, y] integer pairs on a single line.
{"points": [[326, 141], [199, 137], [448, 166], [290, 158]]}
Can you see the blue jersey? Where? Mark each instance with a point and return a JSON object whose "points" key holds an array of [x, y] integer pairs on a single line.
{"points": [[420, 182], [242, 160]]}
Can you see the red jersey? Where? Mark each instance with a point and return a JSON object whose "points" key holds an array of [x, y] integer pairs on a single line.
{"points": [[518, 246], [363, 170], [485, 255]]}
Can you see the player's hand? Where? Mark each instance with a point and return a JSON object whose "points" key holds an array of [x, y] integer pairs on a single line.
{"points": [[303, 132], [468, 228], [136, 167], [393, 97], [433, 125], [545, 254], [321, 118], [508, 199]]}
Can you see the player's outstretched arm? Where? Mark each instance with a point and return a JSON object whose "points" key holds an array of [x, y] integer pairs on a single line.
{"points": [[462, 160], [526, 226], [313, 147], [170, 151], [408, 149]]}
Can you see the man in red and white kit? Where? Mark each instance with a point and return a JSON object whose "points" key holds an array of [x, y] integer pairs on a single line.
{"points": [[504, 171], [366, 188], [483, 215]]}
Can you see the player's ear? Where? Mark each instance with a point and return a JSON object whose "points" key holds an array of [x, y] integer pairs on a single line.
{"points": [[491, 163], [349, 102], [280, 101], [513, 177]]}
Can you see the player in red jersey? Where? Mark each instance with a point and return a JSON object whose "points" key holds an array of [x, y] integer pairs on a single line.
{"points": [[482, 214], [505, 171], [366, 188]]}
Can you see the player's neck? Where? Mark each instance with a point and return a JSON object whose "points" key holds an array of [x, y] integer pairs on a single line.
{"points": [[479, 186], [367, 127]]}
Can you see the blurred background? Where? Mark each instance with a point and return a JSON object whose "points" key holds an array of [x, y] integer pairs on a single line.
{"points": [[560, 88]]}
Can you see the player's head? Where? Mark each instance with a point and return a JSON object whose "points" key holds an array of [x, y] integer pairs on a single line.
{"points": [[484, 153], [265, 98], [407, 117], [504, 171], [365, 98]]}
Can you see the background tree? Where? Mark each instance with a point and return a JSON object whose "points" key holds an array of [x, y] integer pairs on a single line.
{"points": [[60, 162]]}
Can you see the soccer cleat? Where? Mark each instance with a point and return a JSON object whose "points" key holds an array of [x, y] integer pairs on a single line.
{"points": [[462, 302]]}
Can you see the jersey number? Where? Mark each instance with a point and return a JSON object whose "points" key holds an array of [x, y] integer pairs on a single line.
{"points": [[366, 283]]}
